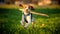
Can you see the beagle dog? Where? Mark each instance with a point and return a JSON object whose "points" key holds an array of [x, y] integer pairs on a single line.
{"points": [[27, 15]]}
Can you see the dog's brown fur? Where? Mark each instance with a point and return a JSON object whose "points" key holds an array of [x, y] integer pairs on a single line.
{"points": [[24, 6], [31, 8]]}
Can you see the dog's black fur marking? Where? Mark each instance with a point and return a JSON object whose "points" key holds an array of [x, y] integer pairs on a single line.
{"points": [[31, 7]]}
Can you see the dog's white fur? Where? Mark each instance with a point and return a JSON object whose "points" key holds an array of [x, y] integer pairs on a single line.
{"points": [[28, 18]]}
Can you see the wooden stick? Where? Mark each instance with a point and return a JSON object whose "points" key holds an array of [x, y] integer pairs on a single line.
{"points": [[39, 14]]}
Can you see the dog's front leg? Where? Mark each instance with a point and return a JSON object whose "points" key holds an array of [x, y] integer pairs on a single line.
{"points": [[29, 21]]}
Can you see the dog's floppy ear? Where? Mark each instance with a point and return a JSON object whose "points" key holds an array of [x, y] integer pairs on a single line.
{"points": [[32, 8], [20, 5]]}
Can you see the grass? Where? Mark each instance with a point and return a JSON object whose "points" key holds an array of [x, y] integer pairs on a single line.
{"points": [[10, 22]]}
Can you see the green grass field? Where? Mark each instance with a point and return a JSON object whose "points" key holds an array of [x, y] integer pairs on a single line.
{"points": [[10, 22]]}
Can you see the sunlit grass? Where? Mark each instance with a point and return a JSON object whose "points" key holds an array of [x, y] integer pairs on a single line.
{"points": [[10, 22]]}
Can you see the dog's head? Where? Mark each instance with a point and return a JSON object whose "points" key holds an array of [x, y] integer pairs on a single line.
{"points": [[26, 6]]}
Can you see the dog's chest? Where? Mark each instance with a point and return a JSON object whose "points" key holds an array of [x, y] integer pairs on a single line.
{"points": [[26, 13]]}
